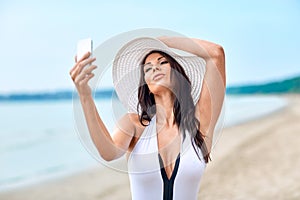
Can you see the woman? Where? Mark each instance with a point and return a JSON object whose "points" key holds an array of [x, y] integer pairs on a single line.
{"points": [[173, 102]]}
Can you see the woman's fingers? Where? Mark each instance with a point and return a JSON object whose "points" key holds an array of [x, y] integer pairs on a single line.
{"points": [[85, 73], [85, 56], [89, 69], [83, 78], [73, 68], [87, 78], [71, 71], [79, 66], [85, 62]]}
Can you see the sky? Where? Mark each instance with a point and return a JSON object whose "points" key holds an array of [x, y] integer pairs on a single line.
{"points": [[38, 38]]}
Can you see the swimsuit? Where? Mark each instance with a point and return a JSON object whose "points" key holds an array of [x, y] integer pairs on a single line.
{"points": [[148, 179]]}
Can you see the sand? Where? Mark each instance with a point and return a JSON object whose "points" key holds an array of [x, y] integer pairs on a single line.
{"points": [[259, 159]]}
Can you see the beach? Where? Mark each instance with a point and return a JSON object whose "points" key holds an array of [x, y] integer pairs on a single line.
{"points": [[258, 159]]}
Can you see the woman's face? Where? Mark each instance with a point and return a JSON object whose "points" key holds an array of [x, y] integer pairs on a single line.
{"points": [[157, 70]]}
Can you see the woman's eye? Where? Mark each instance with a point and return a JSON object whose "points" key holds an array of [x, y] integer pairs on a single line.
{"points": [[148, 69], [164, 62]]}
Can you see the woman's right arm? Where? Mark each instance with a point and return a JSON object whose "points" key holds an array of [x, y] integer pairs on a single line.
{"points": [[109, 148]]}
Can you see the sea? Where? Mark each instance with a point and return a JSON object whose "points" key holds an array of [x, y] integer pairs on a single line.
{"points": [[39, 140]]}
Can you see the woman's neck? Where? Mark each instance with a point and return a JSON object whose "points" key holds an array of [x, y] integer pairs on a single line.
{"points": [[164, 108]]}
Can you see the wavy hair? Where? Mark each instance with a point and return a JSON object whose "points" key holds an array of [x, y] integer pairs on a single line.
{"points": [[183, 107]]}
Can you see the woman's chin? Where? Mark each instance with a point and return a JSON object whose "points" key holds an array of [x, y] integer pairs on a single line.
{"points": [[159, 88]]}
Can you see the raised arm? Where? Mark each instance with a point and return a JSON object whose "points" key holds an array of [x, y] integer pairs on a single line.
{"points": [[212, 94], [109, 148], [209, 51]]}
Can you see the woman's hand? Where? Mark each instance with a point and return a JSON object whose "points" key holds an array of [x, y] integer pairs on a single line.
{"points": [[81, 74]]}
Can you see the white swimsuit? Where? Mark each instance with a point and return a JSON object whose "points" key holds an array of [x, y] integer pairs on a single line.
{"points": [[149, 182]]}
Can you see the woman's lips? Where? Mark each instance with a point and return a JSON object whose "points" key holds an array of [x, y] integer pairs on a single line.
{"points": [[158, 76]]}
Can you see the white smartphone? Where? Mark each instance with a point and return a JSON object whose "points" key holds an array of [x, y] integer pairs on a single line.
{"points": [[84, 46]]}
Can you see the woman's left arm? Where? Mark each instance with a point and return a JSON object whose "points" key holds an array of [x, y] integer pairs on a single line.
{"points": [[210, 103]]}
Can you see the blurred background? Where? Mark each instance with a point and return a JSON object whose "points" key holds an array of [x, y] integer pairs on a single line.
{"points": [[38, 40]]}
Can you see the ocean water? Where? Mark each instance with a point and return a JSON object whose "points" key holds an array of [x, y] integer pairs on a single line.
{"points": [[39, 141]]}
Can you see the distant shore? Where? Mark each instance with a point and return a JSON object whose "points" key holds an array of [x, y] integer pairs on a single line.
{"points": [[55, 95], [253, 160]]}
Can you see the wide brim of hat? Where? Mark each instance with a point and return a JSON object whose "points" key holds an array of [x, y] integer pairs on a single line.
{"points": [[126, 69]]}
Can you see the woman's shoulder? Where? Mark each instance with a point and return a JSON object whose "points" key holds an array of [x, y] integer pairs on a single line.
{"points": [[132, 121], [135, 119]]}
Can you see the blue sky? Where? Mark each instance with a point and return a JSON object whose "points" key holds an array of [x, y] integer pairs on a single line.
{"points": [[38, 40]]}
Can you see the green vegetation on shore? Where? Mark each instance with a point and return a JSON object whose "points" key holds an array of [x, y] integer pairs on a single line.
{"points": [[291, 85]]}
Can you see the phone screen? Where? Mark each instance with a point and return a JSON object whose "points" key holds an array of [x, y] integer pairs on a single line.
{"points": [[84, 46]]}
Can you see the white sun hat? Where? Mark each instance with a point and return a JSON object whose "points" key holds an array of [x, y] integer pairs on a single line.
{"points": [[127, 63]]}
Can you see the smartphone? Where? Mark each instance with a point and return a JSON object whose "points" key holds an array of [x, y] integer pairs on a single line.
{"points": [[84, 46]]}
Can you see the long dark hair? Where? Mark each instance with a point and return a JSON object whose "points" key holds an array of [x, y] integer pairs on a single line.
{"points": [[184, 108]]}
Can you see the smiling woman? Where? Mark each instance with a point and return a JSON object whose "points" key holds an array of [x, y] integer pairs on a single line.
{"points": [[156, 71], [173, 104]]}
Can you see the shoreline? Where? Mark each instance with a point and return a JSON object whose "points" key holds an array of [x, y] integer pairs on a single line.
{"points": [[261, 163], [284, 102], [104, 183]]}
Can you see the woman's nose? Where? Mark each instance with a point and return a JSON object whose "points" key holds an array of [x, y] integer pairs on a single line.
{"points": [[155, 67]]}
